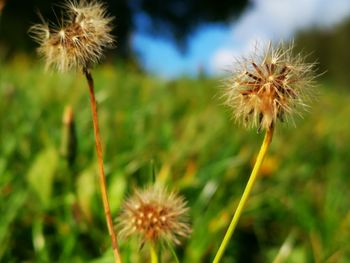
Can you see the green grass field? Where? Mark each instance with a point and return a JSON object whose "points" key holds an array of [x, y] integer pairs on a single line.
{"points": [[52, 212]]}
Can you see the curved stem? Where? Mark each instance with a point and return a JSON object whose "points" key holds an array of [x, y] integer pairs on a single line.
{"points": [[102, 176], [252, 179], [173, 252], [153, 253]]}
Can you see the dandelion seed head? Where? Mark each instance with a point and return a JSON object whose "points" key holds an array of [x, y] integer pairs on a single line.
{"points": [[273, 84], [153, 214], [79, 41]]}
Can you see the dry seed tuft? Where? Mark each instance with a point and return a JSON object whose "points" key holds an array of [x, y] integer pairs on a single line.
{"points": [[271, 85], [154, 214], [80, 39]]}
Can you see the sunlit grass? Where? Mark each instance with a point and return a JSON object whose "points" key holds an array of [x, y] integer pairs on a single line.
{"points": [[51, 212]]}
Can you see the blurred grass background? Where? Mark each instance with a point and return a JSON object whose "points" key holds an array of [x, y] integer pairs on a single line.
{"points": [[51, 211]]}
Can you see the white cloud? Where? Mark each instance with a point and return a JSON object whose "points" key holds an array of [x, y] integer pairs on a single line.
{"points": [[276, 20], [222, 59], [333, 12]]}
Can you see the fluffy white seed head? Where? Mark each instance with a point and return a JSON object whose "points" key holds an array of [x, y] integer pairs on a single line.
{"points": [[271, 85], [154, 214], [79, 41]]}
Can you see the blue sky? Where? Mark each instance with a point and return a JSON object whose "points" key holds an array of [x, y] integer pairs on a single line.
{"points": [[212, 47]]}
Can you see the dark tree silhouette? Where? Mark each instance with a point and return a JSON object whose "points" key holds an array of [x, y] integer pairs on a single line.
{"points": [[177, 18], [173, 19]]}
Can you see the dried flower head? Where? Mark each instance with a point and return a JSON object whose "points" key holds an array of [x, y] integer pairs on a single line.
{"points": [[154, 214], [79, 41], [269, 86]]}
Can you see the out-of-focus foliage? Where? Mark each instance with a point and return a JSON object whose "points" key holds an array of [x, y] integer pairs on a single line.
{"points": [[52, 212], [330, 48]]}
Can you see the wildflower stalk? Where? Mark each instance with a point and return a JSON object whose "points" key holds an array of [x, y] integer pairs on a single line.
{"points": [[102, 177], [153, 253], [268, 87], [78, 42], [248, 189]]}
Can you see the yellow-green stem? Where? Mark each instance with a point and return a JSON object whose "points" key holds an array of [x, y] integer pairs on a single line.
{"points": [[252, 179], [153, 253], [102, 177]]}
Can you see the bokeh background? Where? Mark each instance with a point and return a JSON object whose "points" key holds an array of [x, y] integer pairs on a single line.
{"points": [[161, 113]]}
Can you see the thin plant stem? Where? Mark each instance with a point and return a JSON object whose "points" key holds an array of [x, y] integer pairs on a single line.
{"points": [[252, 179], [102, 177], [153, 253], [173, 252]]}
